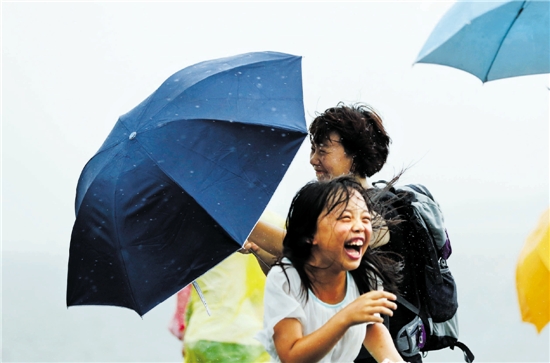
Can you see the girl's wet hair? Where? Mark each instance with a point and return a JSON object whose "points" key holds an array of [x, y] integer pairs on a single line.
{"points": [[361, 132], [316, 199]]}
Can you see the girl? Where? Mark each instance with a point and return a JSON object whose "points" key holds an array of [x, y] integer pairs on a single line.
{"points": [[313, 307]]}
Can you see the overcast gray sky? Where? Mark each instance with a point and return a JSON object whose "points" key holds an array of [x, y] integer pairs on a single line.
{"points": [[70, 69]]}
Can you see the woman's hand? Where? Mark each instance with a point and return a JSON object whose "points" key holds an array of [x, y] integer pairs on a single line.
{"points": [[249, 247], [265, 259], [368, 307]]}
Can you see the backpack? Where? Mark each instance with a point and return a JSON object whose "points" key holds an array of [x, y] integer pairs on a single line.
{"points": [[435, 325]]}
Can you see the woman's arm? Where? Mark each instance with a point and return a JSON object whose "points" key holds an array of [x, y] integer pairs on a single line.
{"points": [[380, 345], [268, 237], [264, 258]]}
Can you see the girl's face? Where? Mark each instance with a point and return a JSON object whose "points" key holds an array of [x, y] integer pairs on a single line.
{"points": [[330, 159], [342, 236]]}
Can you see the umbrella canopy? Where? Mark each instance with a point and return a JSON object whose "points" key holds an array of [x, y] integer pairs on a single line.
{"points": [[492, 39], [182, 179], [533, 275]]}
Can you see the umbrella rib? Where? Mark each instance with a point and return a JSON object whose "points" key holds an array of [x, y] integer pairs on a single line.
{"points": [[281, 127], [119, 252], [503, 38], [235, 175]]}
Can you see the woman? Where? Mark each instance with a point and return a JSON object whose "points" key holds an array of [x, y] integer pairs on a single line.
{"points": [[344, 139], [352, 139]]}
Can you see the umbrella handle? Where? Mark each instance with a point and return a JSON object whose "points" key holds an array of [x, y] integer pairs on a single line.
{"points": [[199, 291], [260, 259]]}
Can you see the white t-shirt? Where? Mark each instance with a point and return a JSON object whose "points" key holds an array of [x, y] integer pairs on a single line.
{"points": [[283, 301]]}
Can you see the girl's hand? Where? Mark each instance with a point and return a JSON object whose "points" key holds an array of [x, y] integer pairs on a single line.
{"points": [[367, 307]]}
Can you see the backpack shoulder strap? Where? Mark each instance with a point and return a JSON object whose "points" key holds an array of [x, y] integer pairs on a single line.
{"points": [[407, 304], [468, 355], [419, 188]]}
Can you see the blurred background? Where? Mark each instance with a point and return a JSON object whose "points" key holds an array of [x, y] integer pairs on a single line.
{"points": [[70, 69]]}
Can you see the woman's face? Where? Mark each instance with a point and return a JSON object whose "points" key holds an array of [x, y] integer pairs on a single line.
{"points": [[342, 236], [329, 159]]}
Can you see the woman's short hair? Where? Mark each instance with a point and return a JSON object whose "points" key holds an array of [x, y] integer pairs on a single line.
{"points": [[361, 132]]}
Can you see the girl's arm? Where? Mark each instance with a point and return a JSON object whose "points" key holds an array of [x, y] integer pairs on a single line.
{"points": [[292, 346], [380, 345]]}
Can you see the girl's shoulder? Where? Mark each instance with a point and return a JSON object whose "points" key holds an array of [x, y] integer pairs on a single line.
{"points": [[284, 275], [283, 268]]}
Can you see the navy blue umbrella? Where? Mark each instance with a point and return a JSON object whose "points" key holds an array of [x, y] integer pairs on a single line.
{"points": [[182, 179]]}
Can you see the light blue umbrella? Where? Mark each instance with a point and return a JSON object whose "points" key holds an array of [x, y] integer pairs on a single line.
{"points": [[492, 40]]}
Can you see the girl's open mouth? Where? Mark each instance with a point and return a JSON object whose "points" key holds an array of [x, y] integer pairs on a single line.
{"points": [[353, 248]]}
